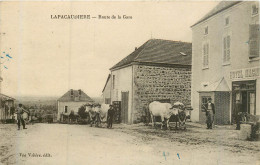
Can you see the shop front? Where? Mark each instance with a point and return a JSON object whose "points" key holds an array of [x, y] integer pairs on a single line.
{"points": [[244, 97], [244, 91]]}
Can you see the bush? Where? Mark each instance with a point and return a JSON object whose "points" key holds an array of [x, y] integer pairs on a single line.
{"points": [[82, 113]]}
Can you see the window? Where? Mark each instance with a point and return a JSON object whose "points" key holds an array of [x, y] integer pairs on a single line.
{"points": [[107, 100], [205, 55], [253, 41], [227, 21], [254, 9], [113, 82], [66, 109], [226, 49], [204, 101], [251, 107], [206, 30]]}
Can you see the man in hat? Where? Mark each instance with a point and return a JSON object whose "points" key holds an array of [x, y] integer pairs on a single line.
{"points": [[210, 113], [20, 112], [110, 116]]}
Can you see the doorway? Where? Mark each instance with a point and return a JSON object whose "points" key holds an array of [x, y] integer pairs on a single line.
{"points": [[244, 101], [124, 106], [244, 97]]}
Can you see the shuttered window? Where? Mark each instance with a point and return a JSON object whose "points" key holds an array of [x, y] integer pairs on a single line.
{"points": [[113, 81], [107, 100], [254, 41], [255, 9], [205, 55], [226, 49]]}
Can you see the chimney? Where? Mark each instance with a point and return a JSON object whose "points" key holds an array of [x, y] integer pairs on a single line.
{"points": [[79, 96], [71, 92], [135, 48]]}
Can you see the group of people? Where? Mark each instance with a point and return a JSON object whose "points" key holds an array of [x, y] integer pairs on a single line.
{"points": [[20, 110]]}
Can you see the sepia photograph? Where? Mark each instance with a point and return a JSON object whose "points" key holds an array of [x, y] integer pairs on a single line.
{"points": [[129, 82]]}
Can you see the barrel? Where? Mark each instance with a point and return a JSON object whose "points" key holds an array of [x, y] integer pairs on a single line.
{"points": [[245, 131]]}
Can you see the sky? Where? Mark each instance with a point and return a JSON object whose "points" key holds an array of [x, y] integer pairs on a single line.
{"points": [[47, 57]]}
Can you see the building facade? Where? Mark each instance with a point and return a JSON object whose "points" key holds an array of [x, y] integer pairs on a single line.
{"points": [[71, 101], [7, 108], [106, 92], [225, 61], [157, 70]]}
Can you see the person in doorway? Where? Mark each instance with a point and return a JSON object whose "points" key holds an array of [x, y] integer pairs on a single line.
{"points": [[238, 112], [20, 119], [110, 116], [210, 113]]}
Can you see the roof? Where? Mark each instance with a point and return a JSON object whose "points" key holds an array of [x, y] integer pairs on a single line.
{"points": [[160, 51], [223, 5], [106, 82], [218, 86], [5, 97], [74, 95]]}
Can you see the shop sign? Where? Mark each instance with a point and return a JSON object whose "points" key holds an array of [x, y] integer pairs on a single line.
{"points": [[247, 73]]}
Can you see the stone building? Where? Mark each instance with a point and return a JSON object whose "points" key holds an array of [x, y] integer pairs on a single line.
{"points": [[157, 70], [71, 101], [7, 108], [225, 61]]}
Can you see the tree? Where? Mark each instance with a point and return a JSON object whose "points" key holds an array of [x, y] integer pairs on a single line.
{"points": [[82, 112]]}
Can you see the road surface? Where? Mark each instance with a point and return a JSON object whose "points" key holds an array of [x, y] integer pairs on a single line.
{"points": [[122, 145]]}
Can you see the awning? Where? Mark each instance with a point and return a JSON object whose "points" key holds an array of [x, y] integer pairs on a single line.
{"points": [[218, 86]]}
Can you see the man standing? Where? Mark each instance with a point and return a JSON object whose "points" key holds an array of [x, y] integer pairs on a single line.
{"points": [[238, 113], [110, 116], [210, 113], [20, 112]]}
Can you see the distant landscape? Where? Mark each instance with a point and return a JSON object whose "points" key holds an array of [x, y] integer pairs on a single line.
{"points": [[43, 100]]}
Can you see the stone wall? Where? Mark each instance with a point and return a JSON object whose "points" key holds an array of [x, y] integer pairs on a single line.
{"points": [[159, 83]]}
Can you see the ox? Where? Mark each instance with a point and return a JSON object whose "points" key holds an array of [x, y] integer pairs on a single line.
{"points": [[163, 110], [92, 114], [183, 113], [97, 113], [101, 111]]}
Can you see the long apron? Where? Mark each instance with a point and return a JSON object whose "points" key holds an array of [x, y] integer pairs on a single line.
{"points": [[210, 118]]}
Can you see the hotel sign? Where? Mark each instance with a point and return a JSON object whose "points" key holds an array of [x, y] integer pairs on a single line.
{"points": [[247, 73]]}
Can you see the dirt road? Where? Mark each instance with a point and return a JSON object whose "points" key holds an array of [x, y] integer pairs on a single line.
{"points": [[122, 145]]}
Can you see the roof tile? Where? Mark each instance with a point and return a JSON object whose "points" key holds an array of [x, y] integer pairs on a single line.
{"points": [[160, 51]]}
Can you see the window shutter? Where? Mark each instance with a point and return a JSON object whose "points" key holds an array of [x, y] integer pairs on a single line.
{"points": [[225, 48], [228, 49], [253, 40], [204, 55], [207, 62]]}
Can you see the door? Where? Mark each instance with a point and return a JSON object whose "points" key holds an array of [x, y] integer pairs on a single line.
{"points": [[202, 113], [244, 101], [124, 106], [117, 108], [251, 103]]}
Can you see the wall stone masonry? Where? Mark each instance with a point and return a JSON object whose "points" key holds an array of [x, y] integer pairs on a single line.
{"points": [[158, 83]]}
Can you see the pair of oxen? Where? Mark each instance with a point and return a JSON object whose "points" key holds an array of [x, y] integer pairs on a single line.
{"points": [[97, 113], [178, 111]]}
